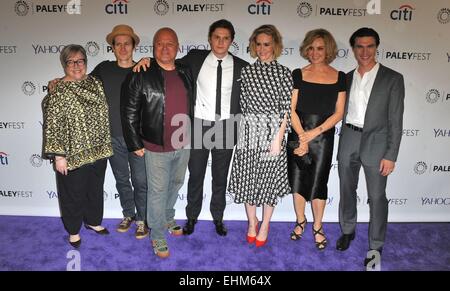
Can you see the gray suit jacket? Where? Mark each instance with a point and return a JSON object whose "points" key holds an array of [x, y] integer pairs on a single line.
{"points": [[383, 122]]}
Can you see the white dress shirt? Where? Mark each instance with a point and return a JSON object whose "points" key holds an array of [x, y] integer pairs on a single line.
{"points": [[205, 106], [359, 96]]}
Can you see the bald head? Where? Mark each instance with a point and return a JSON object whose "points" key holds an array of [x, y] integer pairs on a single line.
{"points": [[165, 47], [165, 32]]}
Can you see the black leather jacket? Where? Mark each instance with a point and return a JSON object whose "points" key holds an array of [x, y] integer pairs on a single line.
{"points": [[142, 104]]}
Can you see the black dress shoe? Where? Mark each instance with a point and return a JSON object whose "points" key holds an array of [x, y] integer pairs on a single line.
{"points": [[220, 228], [344, 241], [373, 256], [75, 244], [103, 231], [189, 227]]}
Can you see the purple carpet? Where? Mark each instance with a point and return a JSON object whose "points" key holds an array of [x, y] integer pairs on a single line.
{"points": [[40, 243]]}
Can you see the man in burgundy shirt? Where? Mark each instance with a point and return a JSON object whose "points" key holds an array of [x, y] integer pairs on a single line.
{"points": [[156, 107]]}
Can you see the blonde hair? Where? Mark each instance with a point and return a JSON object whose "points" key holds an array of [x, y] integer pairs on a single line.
{"points": [[328, 39], [271, 30]]}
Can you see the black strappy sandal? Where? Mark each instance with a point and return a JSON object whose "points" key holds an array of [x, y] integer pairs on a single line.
{"points": [[296, 236], [322, 244]]}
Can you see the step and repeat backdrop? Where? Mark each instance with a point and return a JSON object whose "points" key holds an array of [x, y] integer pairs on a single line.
{"points": [[415, 40]]}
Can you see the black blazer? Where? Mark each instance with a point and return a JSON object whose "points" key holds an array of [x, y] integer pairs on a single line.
{"points": [[195, 59]]}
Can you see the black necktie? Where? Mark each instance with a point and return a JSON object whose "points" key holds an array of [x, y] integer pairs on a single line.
{"points": [[219, 88]]}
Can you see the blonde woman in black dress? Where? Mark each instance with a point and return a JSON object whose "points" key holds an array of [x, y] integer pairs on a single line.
{"points": [[317, 105]]}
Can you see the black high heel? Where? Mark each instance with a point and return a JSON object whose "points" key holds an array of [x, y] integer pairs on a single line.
{"points": [[302, 225], [103, 231], [75, 244], [321, 245]]}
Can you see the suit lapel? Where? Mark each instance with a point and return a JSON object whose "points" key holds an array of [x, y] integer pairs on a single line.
{"points": [[371, 104]]}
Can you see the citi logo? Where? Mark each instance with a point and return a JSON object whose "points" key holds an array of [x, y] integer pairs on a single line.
{"points": [[117, 7], [435, 201], [262, 7], [404, 12], [3, 159]]}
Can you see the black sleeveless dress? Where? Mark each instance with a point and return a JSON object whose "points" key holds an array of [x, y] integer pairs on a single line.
{"points": [[316, 102]]}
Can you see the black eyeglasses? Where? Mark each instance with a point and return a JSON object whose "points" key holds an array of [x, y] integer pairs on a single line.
{"points": [[71, 63]]}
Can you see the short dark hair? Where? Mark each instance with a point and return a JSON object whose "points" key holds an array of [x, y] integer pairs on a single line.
{"points": [[362, 32], [222, 23]]}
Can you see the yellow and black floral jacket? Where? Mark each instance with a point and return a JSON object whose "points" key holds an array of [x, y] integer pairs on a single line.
{"points": [[76, 124]]}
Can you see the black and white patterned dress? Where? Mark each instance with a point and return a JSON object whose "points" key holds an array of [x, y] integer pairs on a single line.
{"points": [[258, 178]]}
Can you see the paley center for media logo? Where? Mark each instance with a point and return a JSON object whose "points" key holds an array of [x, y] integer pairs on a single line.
{"points": [[23, 8], [14, 125], [403, 55], [37, 161], [8, 49], [422, 167], [29, 88], [162, 7], [306, 9], [443, 15], [16, 194], [435, 95], [110, 196]]}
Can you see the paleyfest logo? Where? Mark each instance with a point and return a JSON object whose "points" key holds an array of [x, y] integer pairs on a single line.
{"points": [[22, 7]]}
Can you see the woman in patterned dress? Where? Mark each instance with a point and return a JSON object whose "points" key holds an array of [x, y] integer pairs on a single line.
{"points": [[317, 105], [77, 139], [259, 170]]}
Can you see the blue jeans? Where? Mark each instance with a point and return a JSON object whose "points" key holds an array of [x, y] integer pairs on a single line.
{"points": [[133, 195], [168, 171]]}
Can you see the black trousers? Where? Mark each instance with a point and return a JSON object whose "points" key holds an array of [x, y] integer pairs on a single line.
{"points": [[197, 166], [80, 195]]}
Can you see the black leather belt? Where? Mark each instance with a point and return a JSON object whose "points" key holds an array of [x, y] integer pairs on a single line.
{"points": [[355, 128]]}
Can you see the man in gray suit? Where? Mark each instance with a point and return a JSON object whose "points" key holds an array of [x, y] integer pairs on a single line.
{"points": [[370, 137]]}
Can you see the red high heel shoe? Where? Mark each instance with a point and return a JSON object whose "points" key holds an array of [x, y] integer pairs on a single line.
{"points": [[252, 239], [260, 243]]}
